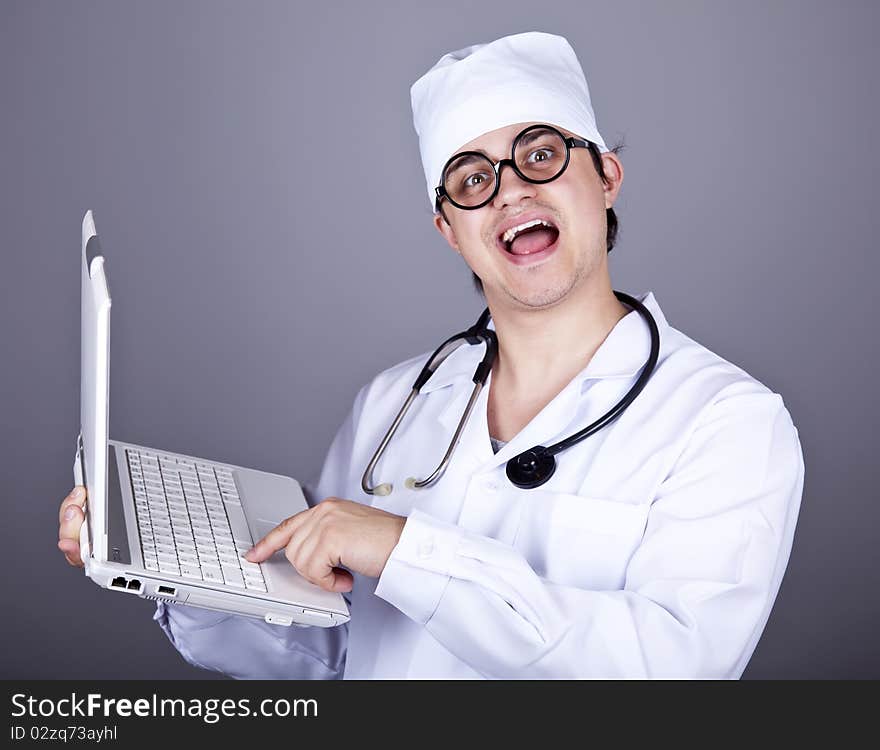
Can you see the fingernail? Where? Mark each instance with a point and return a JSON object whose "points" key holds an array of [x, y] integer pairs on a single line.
{"points": [[76, 493], [70, 513], [247, 555]]}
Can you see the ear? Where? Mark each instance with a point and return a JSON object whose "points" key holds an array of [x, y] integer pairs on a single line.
{"points": [[613, 169], [447, 231]]}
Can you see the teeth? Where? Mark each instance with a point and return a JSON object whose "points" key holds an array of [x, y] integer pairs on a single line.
{"points": [[513, 231]]}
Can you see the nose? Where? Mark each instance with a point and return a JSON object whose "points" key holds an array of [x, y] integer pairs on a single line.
{"points": [[511, 188]]}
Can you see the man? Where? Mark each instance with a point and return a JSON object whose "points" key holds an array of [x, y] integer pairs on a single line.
{"points": [[657, 547]]}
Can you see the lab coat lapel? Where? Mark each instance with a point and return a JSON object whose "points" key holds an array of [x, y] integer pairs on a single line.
{"points": [[474, 443]]}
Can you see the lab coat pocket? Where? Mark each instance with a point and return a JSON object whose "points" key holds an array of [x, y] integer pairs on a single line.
{"points": [[579, 541]]}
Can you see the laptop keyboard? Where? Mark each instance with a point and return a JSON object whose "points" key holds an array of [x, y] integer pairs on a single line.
{"points": [[191, 521]]}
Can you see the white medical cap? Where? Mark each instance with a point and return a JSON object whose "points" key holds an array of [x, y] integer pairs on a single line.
{"points": [[520, 78]]}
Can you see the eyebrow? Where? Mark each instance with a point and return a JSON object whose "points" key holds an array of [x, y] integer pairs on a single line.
{"points": [[534, 135], [465, 161], [525, 140]]}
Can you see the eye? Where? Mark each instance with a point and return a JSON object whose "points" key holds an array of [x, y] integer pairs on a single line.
{"points": [[474, 179], [540, 155]]}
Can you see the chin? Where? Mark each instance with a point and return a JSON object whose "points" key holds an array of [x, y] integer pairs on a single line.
{"points": [[545, 297]]}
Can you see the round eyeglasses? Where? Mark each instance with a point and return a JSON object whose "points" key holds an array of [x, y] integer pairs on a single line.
{"points": [[539, 154]]}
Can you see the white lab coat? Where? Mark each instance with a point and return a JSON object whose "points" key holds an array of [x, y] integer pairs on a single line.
{"points": [[655, 550]]}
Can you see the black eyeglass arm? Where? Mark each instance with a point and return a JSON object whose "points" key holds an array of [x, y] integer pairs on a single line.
{"points": [[577, 143]]}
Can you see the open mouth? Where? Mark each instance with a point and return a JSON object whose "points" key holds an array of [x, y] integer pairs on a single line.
{"points": [[529, 238]]}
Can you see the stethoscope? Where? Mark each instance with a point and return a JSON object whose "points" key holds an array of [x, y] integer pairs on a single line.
{"points": [[530, 468]]}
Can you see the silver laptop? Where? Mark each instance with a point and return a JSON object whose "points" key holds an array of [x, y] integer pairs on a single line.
{"points": [[161, 525]]}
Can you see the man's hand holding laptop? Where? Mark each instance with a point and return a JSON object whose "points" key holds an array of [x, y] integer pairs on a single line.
{"points": [[70, 519]]}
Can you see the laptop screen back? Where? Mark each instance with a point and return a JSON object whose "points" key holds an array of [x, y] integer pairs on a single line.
{"points": [[94, 383]]}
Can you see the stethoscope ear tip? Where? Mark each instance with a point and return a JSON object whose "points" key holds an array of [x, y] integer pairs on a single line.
{"points": [[383, 489], [410, 483]]}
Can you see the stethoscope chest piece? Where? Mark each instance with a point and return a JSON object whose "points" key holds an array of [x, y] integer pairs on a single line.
{"points": [[531, 468]]}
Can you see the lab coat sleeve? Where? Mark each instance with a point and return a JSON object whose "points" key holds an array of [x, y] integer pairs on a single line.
{"points": [[698, 589], [249, 648]]}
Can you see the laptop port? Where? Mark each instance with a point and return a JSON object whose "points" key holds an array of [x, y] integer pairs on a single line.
{"points": [[134, 585], [166, 590], [118, 583]]}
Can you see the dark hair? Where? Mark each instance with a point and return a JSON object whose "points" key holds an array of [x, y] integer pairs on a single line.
{"points": [[610, 216]]}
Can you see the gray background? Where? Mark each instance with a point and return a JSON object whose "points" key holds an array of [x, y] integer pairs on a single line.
{"points": [[257, 187]]}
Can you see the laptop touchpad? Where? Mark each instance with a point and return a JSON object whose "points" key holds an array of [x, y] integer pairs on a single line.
{"points": [[261, 527]]}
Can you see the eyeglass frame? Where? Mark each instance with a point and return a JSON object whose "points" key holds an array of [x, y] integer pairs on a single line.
{"points": [[569, 141]]}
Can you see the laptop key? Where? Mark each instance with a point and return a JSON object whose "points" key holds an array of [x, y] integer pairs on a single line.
{"points": [[251, 569], [238, 523], [189, 571], [212, 574], [237, 582]]}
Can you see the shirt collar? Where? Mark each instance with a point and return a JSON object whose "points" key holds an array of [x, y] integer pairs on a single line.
{"points": [[622, 354]]}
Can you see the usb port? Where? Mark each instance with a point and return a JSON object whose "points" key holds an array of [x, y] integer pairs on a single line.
{"points": [[167, 590]]}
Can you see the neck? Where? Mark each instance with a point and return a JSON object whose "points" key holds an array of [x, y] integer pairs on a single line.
{"points": [[541, 350]]}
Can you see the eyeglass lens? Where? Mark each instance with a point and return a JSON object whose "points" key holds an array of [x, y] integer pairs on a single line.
{"points": [[540, 155]]}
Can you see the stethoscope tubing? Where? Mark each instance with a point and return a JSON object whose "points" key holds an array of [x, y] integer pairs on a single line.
{"points": [[532, 467], [620, 406]]}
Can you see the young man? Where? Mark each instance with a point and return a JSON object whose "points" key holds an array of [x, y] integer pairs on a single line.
{"points": [[658, 545]]}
